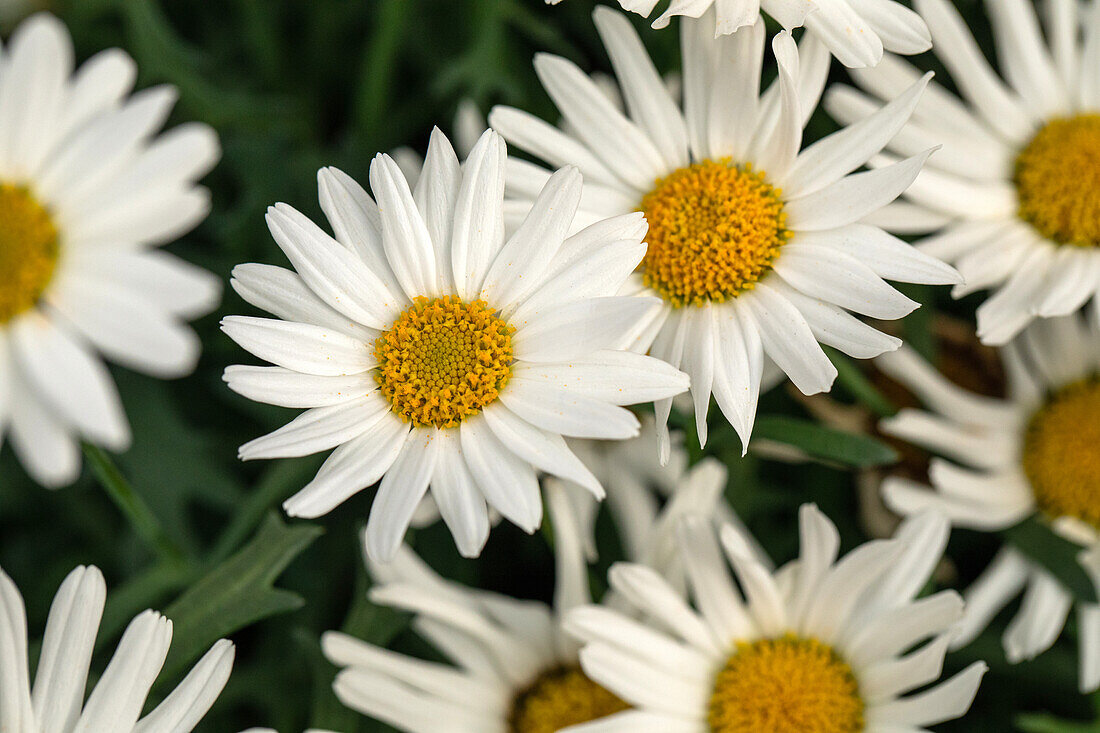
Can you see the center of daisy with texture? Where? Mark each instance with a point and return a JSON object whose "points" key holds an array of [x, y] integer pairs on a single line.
{"points": [[785, 685], [560, 698], [1061, 458], [714, 230], [443, 360], [28, 250], [1058, 181]]}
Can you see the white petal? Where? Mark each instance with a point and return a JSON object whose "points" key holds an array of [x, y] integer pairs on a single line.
{"points": [[853, 197], [299, 346], [478, 231], [788, 340], [405, 236], [401, 490]]}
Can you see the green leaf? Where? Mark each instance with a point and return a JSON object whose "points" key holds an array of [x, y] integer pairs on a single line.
{"points": [[1050, 724], [238, 592], [1036, 539], [825, 444], [853, 381]]}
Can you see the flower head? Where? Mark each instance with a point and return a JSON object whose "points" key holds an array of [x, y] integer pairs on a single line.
{"points": [[432, 350], [87, 192], [755, 246]]}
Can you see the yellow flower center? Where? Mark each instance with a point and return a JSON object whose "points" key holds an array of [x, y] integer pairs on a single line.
{"points": [[714, 230], [28, 250], [785, 685], [560, 698], [1058, 181], [1061, 458], [443, 360]]}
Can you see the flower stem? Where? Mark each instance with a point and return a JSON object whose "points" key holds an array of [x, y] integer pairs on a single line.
{"points": [[131, 504]]}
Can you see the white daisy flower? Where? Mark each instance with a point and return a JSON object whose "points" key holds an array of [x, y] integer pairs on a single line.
{"points": [[512, 668], [754, 248], [86, 193], [855, 31], [1002, 461], [56, 700], [1015, 194], [820, 646], [434, 351]]}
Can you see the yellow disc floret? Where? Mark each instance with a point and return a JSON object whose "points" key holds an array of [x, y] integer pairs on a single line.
{"points": [[28, 250], [714, 230], [560, 698], [785, 685], [1061, 457], [1058, 181], [443, 360]]}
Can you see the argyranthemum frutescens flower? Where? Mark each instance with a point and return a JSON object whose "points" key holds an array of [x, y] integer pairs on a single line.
{"points": [[56, 700], [1002, 461], [512, 667], [433, 351], [1016, 189], [86, 191], [822, 645], [855, 31], [753, 246]]}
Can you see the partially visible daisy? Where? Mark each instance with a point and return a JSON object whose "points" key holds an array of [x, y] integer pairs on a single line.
{"points": [[855, 31], [641, 491], [56, 701], [87, 192], [1003, 460], [511, 667], [821, 646], [754, 247], [1015, 195], [431, 350]]}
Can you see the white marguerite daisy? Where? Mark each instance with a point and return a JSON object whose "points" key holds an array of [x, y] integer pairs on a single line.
{"points": [[1014, 197], [511, 669], [434, 351], [1004, 460], [754, 247], [821, 646], [855, 31], [56, 703], [86, 192]]}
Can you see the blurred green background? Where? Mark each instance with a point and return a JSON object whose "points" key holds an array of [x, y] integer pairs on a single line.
{"points": [[292, 85]]}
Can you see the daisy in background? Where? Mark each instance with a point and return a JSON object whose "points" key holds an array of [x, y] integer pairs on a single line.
{"points": [[1004, 460], [855, 31], [640, 491], [511, 669], [56, 703], [754, 247], [431, 350], [821, 645], [1014, 197], [87, 190]]}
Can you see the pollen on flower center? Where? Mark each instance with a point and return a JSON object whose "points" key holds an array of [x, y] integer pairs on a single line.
{"points": [[560, 698], [28, 250], [785, 685], [443, 360], [714, 230], [1058, 181], [1060, 453]]}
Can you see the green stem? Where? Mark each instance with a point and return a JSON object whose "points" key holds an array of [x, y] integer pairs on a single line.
{"points": [[856, 383], [131, 504]]}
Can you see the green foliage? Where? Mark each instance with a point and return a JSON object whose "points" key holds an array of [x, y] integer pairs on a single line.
{"points": [[824, 444], [1035, 538]]}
